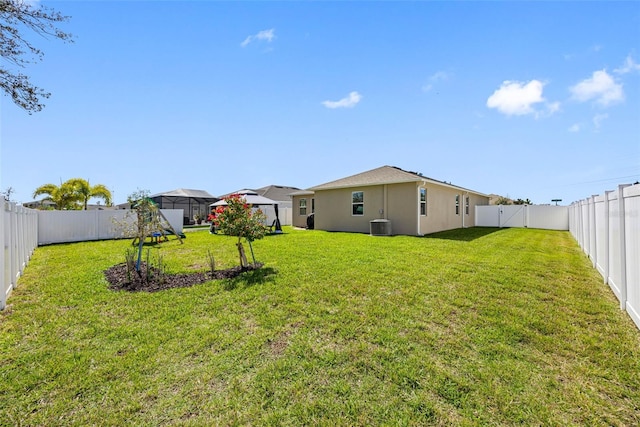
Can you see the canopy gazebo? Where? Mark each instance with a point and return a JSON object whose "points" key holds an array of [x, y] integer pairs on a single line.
{"points": [[254, 199]]}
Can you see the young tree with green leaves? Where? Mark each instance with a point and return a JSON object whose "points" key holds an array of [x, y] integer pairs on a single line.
{"points": [[146, 223], [17, 19], [237, 218]]}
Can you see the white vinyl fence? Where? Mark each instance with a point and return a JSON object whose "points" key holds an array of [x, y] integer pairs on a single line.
{"points": [[19, 238], [80, 226], [23, 229], [523, 216], [607, 228], [285, 215]]}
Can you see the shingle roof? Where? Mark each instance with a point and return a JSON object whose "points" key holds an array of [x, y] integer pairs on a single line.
{"points": [[380, 176]]}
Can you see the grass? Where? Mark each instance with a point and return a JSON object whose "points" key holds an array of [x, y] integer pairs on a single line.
{"points": [[468, 327]]}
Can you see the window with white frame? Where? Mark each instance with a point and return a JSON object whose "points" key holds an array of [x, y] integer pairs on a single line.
{"points": [[466, 205], [303, 206], [423, 201], [313, 205], [457, 204], [357, 203]]}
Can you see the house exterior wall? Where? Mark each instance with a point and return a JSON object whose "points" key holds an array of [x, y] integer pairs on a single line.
{"points": [[402, 208], [441, 209], [395, 202], [297, 219], [333, 209], [398, 203]]}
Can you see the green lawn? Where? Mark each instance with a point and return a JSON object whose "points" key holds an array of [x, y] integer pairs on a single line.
{"points": [[469, 327]]}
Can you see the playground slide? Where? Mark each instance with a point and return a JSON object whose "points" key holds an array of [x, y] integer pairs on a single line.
{"points": [[170, 231]]}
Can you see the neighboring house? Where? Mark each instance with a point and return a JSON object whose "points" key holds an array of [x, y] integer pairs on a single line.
{"points": [[49, 205], [280, 193], [194, 203], [411, 203], [40, 204]]}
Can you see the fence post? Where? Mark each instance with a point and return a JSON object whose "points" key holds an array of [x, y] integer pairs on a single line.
{"points": [[593, 239], [607, 249], [588, 224], [584, 227], [21, 212], [623, 248], [3, 242], [13, 250]]}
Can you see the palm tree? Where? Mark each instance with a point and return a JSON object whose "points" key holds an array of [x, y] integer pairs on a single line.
{"points": [[85, 191], [63, 196], [73, 193]]}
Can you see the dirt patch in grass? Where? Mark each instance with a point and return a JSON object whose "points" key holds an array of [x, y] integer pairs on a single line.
{"points": [[122, 279]]}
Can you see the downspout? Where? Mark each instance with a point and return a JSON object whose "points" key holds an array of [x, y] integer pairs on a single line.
{"points": [[384, 202], [418, 231], [464, 210], [461, 207]]}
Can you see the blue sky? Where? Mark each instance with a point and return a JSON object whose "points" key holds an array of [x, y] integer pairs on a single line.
{"points": [[537, 100]]}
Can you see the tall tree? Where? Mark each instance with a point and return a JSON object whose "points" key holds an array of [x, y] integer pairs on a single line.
{"points": [[73, 193], [17, 19], [85, 191], [63, 196]]}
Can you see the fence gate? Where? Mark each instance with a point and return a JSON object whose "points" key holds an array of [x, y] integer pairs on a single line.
{"points": [[523, 216]]}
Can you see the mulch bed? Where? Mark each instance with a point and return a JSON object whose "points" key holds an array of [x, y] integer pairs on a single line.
{"points": [[121, 280]]}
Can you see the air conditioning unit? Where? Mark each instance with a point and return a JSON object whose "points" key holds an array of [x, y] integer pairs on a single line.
{"points": [[380, 227]]}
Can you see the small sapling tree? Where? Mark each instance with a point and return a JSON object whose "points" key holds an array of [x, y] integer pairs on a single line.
{"points": [[237, 218], [146, 222]]}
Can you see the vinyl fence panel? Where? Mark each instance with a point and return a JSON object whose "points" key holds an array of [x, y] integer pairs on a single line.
{"points": [[607, 227], [19, 238], [488, 216], [284, 214], [79, 226], [531, 216], [632, 248], [548, 217]]}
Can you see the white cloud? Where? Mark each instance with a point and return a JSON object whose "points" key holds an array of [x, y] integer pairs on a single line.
{"points": [[553, 107], [628, 66], [516, 98], [575, 128], [266, 35], [433, 79], [601, 87], [348, 102], [598, 119]]}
